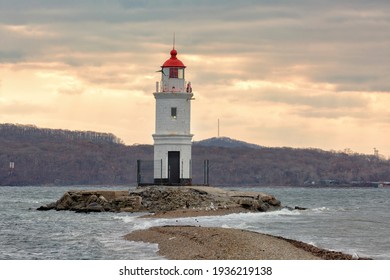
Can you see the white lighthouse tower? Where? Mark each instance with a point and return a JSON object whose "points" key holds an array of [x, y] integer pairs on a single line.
{"points": [[172, 137]]}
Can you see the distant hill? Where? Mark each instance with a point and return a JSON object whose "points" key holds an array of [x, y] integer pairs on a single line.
{"points": [[225, 142], [62, 157], [33, 133]]}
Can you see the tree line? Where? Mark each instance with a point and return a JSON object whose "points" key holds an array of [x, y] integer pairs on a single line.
{"points": [[62, 157], [33, 132]]}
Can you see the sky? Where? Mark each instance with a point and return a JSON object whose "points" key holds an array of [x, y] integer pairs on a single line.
{"points": [[301, 74]]}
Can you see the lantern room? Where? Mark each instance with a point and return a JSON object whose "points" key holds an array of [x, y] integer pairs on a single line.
{"points": [[172, 74]]}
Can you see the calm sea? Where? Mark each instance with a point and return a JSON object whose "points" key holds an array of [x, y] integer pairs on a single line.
{"points": [[354, 221]]}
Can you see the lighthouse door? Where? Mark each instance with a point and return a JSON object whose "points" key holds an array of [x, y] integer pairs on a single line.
{"points": [[174, 167]]}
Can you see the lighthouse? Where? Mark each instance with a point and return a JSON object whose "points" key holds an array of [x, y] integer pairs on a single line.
{"points": [[172, 137]]}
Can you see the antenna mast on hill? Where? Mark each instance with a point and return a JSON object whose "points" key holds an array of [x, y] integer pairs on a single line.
{"points": [[218, 128]]}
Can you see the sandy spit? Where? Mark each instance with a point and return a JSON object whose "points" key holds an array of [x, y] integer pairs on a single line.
{"points": [[212, 243]]}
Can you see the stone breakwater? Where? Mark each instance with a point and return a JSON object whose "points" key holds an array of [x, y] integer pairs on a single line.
{"points": [[157, 199]]}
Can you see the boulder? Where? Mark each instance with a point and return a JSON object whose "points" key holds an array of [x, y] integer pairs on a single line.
{"points": [[130, 203], [47, 207], [66, 202], [92, 207]]}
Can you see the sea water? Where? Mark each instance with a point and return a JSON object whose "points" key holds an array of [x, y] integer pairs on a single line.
{"points": [[352, 220]]}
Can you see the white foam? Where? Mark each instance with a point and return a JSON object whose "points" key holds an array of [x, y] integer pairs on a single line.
{"points": [[322, 209], [127, 219]]}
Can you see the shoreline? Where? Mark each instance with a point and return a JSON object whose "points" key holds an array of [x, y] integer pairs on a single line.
{"points": [[186, 213], [166, 202], [214, 243]]}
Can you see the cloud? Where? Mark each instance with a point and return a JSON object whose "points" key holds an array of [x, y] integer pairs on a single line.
{"points": [[305, 61], [16, 107], [10, 56], [270, 38]]}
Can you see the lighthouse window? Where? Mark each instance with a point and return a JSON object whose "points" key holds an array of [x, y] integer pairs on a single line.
{"points": [[173, 73], [180, 73], [174, 112]]}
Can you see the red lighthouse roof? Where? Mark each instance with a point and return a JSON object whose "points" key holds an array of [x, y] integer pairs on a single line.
{"points": [[173, 61]]}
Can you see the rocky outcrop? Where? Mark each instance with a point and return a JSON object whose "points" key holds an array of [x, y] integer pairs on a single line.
{"points": [[96, 201], [163, 198]]}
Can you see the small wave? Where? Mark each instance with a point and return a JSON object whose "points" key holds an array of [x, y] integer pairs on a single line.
{"points": [[142, 250], [333, 209], [124, 249], [126, 219], [312, 243], [239, 218], [322, 209], [284, 212]]}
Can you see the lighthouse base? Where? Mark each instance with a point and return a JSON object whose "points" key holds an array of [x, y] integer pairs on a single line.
{"points": [[167, 182]]}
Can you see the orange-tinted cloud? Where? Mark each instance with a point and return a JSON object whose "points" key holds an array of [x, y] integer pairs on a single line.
{"points": [[302, 74]]}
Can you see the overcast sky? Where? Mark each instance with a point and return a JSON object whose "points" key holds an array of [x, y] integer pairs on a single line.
{"points": [[277, 73]]}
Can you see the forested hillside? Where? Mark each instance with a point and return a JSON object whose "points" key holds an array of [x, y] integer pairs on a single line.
{"points": [[62, 157], [44, 156]]}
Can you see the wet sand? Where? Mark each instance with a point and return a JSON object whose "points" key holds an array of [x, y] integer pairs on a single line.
{"points": [[211, 243], [183, 213]]}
